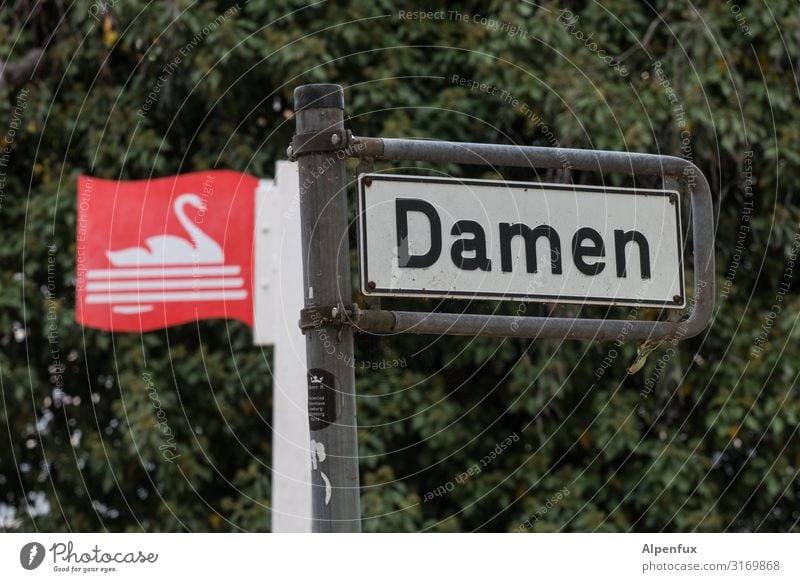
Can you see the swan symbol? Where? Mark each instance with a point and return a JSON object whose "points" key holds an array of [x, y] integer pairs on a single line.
{"points": [[173, 250]]}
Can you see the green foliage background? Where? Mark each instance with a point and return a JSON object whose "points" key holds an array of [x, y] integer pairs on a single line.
{"points": [[714, 447]]}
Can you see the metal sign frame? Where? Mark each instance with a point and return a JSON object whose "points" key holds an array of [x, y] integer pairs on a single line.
{"points": [[685, 177]]}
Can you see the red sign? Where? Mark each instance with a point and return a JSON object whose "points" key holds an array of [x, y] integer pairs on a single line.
{"points": [[161, 252]]}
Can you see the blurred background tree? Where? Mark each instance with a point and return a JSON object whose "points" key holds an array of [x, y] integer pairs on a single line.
{"points": [[705, 441]]}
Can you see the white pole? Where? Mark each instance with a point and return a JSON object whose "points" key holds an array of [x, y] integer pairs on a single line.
{"points": [[278, 299]]}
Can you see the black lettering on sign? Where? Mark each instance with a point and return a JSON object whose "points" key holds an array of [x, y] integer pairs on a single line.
{"points": [[321, 398], [580, 251], [404, 257], [508, 231], [477, 245], [621, 240]]}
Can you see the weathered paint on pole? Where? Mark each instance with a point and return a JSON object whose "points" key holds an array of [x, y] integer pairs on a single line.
{"points": [[319, 113]]}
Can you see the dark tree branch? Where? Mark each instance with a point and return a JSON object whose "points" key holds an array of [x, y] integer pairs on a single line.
{"points": [[648, 35], [15, 73]]}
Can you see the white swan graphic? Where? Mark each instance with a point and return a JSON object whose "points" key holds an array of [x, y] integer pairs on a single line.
{"points": [[173, 250]]}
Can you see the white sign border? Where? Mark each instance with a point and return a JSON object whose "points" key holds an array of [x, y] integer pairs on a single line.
{"points": [[527, 297]]}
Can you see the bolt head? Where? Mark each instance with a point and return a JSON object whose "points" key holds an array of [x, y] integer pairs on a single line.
{"points": [[289, 152], [335, 139]]}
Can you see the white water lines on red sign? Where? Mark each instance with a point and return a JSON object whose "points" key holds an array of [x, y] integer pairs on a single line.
{"points": [[167, 269]]}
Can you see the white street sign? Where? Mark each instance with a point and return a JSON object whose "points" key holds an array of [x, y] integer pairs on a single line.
{"points": [[484, 239]]}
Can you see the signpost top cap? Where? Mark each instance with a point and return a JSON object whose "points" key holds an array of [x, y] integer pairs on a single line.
{"points": [[318, 95]]}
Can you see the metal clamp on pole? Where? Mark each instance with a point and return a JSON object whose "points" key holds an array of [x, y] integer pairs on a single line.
{"points": [[337, 316], [315, 142], [319, 112]]}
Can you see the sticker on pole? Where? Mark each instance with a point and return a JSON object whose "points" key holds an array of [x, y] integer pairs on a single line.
{"points": [[322, 409], [485, 239]]}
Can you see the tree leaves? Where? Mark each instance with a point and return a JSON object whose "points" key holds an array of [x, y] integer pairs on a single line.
{"points": [[711, 446]]}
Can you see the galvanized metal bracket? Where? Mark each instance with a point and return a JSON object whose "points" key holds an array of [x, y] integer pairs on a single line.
{"points": [[336, 316], [673, 170], [316, 142]]}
